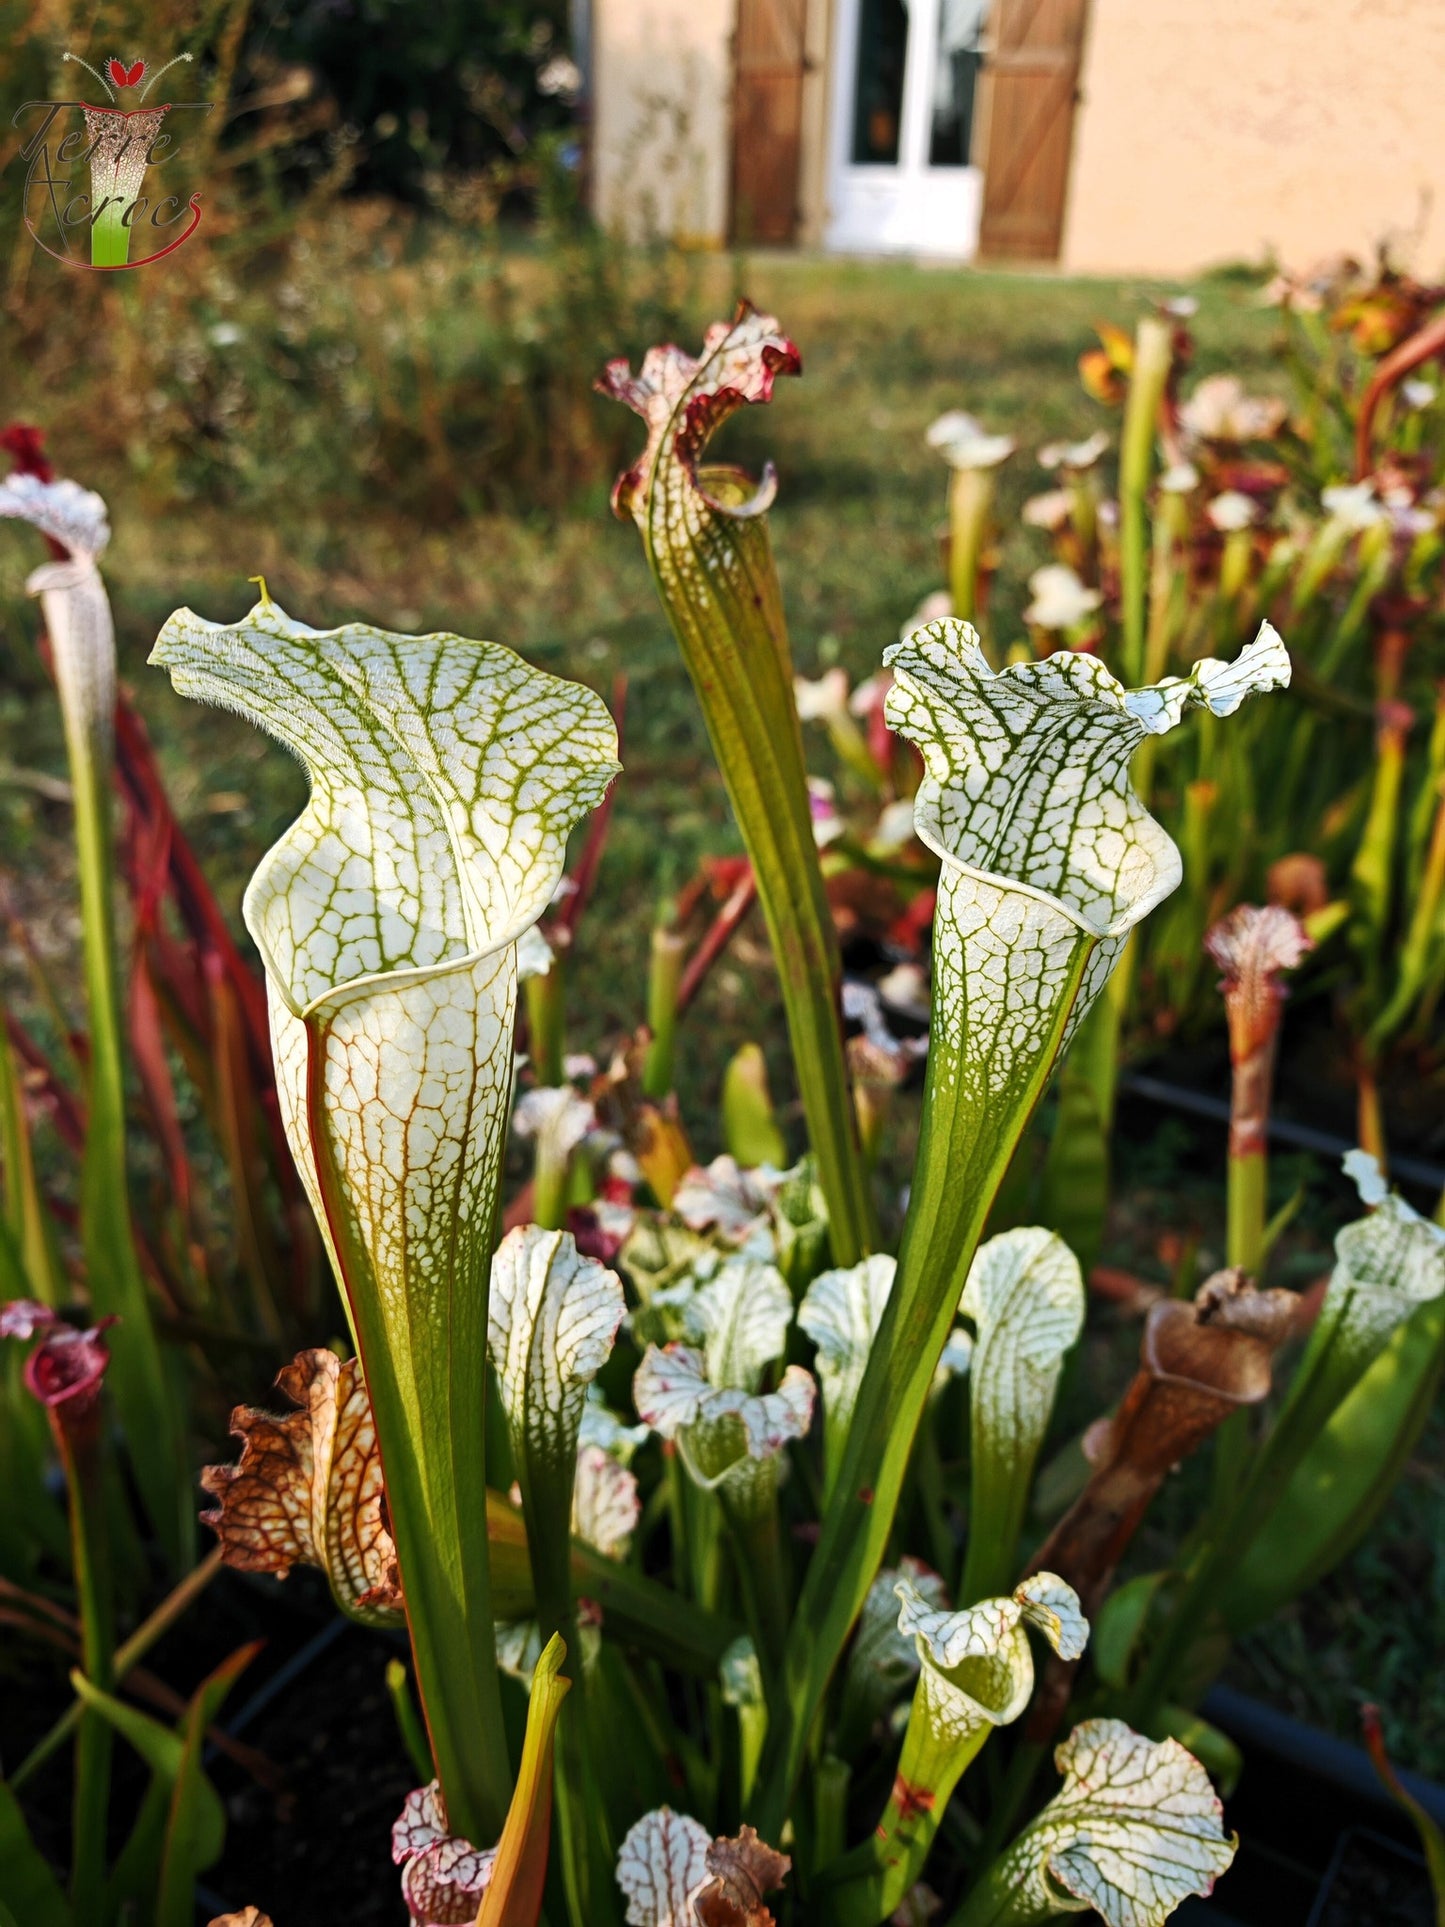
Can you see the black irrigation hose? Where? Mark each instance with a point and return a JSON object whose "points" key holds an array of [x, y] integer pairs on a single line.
{"points": [[283, 1676], [1303, 1137], [209, 1904], [1257, 1725]]}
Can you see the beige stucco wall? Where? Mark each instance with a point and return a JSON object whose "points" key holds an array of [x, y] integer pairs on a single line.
{"points": [[1217, 130], [662, 82]]}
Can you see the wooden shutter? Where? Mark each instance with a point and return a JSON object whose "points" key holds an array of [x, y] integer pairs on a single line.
{"points": [[1033, 69], [767, 119]]}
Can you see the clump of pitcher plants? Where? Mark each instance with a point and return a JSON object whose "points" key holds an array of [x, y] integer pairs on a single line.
{"points": [[717, 1481]]}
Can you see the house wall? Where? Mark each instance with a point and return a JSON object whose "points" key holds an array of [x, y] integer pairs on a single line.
{"points": [[662, 88], [1219, 130]]}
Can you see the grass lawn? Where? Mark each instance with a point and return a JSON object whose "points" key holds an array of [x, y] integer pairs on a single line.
{"points": [[885, 350], [856, 530]]}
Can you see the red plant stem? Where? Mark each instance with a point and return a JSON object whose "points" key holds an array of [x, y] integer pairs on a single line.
{"points": [[717, 938], [584, 877], [137, 772], [67, 1113], [1421, 346], [148, 1053], [68, 1116], [76, 1042]]}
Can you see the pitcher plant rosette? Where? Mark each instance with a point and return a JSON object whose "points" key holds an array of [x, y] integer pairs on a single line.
{"points": [[762, 1524]]}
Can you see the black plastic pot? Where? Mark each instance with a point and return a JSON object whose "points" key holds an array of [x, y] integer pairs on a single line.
{"points": [[1321, 1842]]}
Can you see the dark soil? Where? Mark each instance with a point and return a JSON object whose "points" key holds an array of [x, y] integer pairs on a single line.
{"points": [[320, 1852], [314, 1847], [1372, 1880]]}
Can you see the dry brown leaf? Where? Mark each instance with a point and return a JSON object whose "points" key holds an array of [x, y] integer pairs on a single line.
{"points": [[743, 1869], [1229, 1300], [1198, 1363], [308, 1490], [661, 1149], [248, 1917]]}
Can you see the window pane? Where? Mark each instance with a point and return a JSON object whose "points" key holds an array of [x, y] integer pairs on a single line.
{"points": [[878, 90], [955, 77]]}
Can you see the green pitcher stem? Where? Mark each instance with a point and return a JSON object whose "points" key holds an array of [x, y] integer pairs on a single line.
{"points": [[31, 1239], [408, 1720], [150, 1412], [1248, 1184], [546, 1472], [550, 1175], [1097, 1045], [1152, 353], [1247, 1188], [970, 498], [750, 1512], [712, 562], [546, 1024], [80, 1455], [1412, 973], [963, 1154], [681, 1632], [1084, 515], [876, 1877], [800, 927], [431, 1437], [664, 977]]}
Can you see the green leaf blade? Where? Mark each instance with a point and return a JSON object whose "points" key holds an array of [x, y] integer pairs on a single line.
{"points": [[31, 1891]]}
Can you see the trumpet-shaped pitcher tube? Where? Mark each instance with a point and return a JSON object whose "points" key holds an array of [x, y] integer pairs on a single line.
{"points": [[1048, 859], [705, 531], [445, 776]]}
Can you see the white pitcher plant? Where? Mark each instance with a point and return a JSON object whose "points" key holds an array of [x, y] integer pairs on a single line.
{"points": [[1049, 859], [445, 776]]}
